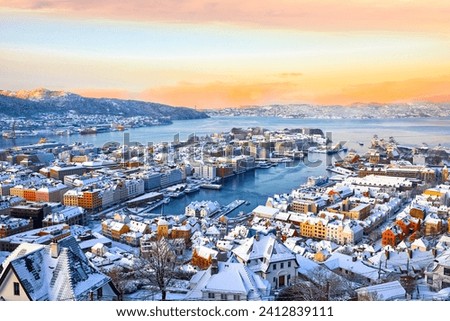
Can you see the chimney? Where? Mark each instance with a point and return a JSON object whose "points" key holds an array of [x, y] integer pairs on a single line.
{"points": [[434, 251], [214, 266], [54, 249], [278, 235], [257, 236], [410, 253], [354, 258], [387, 254]]}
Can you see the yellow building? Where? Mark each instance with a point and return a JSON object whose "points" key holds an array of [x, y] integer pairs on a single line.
{"points": [[163, 228]]}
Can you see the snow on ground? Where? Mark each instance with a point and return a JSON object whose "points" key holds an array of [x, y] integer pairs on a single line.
{"points": [[126, 247], [177, 290], [149, 295]]}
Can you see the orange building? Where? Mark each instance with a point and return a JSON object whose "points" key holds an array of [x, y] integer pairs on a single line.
{"points": [[392, 236], [90, 200], [409, 225], [313, 227], [29, 194], [113, 229], [202, 257], [417, 213], [163, 228], [181, 232]]}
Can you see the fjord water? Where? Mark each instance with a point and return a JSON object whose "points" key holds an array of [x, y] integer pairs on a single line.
{"points": [[256, 186], [407, 131]]}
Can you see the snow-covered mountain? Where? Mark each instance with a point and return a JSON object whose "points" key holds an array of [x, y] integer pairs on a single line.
{"points": [[355, 111], [28, 103]]}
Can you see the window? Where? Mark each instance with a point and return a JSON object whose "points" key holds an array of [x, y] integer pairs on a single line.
{"points": [[289, 264], [16, 288], [282, 265], [210, 295], [223, 296], [274, 267], [99, 292], [236, 297], [447, 271]]}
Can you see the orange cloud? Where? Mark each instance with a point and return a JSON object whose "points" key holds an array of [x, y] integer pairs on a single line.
{"points": [[430, 89], [222, 94], [235, 94], [311, 15]]}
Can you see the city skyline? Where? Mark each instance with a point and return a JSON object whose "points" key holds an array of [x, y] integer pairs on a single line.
{"points": [[216, 55]]}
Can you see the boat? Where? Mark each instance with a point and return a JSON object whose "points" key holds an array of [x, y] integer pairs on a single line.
{"points": [[88, 131], [263, 164], [211, 186], [18, 133], [361, 143], [192, 189], [176, 194]]}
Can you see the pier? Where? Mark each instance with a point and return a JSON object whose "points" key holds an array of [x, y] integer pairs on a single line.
{"points": [[228, 209]]}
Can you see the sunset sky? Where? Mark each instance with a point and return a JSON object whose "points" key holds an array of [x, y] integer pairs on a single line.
{"points": [[230, 53]]}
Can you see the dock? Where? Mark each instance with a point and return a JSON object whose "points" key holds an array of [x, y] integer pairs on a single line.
{"points": [[227, 209], [340, 170]]}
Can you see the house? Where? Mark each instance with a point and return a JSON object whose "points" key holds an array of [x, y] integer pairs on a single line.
{"points": [[265, 212], [203, 256], [213, 232], [438, 273], [433, 225], [420, 244], [149, 244], [114, 229], [392, 236], [228, 281], [269, 258], [382, 292], [351, 267], [402, 261], [55, 272], [11, 225]]}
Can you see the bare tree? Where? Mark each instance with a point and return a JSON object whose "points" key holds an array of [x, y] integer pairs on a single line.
{"points": [[157, 264], [122, 279], [321, 285]]}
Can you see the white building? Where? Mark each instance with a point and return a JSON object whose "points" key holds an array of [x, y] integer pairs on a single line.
{"points": [[228, 281], [56, 272], [135, 187], [202, 209], [269, 258]]}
